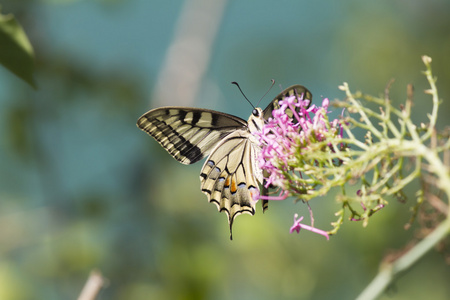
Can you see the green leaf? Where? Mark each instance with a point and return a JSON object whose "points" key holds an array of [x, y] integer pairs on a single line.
{"points": [[16, 52]]}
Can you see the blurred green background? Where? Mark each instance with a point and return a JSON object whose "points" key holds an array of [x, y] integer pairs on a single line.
{"points": [[82, 188]]}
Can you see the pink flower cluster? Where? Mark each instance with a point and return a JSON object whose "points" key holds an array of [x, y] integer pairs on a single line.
{"points": [[291, 131], [284, 138]]}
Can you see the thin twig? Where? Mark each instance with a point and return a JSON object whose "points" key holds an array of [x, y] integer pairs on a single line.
{"points": [[92, 286]]}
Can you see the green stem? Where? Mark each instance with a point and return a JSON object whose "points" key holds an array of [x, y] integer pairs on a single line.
{"points": [[433, 91], [389, 272]]}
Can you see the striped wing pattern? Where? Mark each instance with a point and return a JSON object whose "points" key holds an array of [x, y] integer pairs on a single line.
{"points": [[188, 134]]}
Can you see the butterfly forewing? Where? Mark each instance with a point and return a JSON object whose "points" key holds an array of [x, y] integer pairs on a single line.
{"points": [[188, 134], [296, 90]]}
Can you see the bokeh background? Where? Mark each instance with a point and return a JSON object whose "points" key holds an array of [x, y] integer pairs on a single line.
{"points": [[81, 188]]}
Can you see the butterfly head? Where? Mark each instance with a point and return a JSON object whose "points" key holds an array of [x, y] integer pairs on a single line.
{"points": [[256, 121]]}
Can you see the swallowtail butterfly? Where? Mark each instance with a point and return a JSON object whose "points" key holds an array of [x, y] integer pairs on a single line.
{"points": [[231, 175]]}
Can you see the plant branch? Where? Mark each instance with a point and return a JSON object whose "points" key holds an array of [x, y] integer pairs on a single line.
{"points": [[389, 272]]}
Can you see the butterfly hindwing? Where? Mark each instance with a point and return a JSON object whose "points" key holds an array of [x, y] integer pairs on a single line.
{"points": [[229, 178]]}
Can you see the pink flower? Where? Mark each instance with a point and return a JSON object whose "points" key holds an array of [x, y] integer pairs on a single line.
{"points": [[297, 226]]}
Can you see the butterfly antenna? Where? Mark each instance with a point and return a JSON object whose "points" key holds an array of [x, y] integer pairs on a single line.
{"points": [[235, 83], [273, 82]]}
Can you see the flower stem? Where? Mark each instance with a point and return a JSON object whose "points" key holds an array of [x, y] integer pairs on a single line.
{"points": [[388, 272]]}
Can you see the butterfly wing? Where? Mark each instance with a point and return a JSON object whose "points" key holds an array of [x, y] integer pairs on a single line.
{"points": [[188, 134], [230, 175], [296, 90]]}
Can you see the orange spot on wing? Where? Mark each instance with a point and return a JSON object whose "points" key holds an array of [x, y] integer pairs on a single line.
{"points": [[233, 186]]}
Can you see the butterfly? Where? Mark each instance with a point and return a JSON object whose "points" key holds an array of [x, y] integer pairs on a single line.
{"points": [[230, 176]]}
